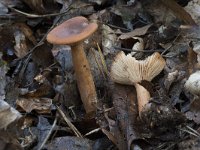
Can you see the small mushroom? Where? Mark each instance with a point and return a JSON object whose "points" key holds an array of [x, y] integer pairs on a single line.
{"points": [[193, 83], [127, 70], [73, 32]]}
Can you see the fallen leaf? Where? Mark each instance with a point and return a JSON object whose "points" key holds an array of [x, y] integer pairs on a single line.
{"points": [[179, 11], [8, 141], [21, 48], [138, 45], [194, 113], [193, 8], [36, 5], [7, 114], [136, 32], [38, 104], [69, 142], [109, 39], [3, 9]]}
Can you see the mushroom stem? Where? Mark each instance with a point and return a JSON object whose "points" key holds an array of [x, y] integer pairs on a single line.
{"points": [[84, 78], [143, 96]]}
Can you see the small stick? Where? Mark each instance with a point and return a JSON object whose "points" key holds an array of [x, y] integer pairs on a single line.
{"points": [[172, 44], [97, 62], [49, 133], [196, 132], [133, 50], [93, 131], [72, 127], [38, 16], [102, 60]]}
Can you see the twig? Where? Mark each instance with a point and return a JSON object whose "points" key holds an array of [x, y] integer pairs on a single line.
{"points": [[29, 54], [172, 44], [47, 15], [72, 127], [191, 129], [190, 132], [93, 131], [97, 62], [39, 16], [49, 133], [102, 60], [114, 26], [133, 50]]}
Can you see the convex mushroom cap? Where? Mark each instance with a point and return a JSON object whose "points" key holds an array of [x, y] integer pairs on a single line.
{"points": [[72, 31], [193, 83], [128, 70]]}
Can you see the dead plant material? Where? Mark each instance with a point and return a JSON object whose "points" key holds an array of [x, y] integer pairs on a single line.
{"points": [[179, 12], [136, 32], [192, 60], [124, 101]]}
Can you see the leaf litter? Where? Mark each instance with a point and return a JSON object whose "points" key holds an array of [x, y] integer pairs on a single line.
{"points": [[41, 105]]}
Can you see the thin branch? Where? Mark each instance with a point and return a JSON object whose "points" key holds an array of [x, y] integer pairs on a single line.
{"points": [[97, 62], [72, 127], [133, 50], [39, 16], [49, 133], [102, 60], [93, 131], [172, 44]]}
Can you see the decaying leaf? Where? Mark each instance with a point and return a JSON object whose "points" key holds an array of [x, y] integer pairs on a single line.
{"points": [[70, 142], [8, 141], [193, 8], [179, 11], [3, 71], [36, 5], [124, 101], [136, 32], [194, 113], [38, 104], [21, 48], [109, 39], [26, 31], [138, 45], [7, 114], [3, 9]]}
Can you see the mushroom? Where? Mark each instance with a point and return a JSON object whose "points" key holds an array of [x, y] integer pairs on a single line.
{"points": [[193, 83], [73, 32], [127, 70]]}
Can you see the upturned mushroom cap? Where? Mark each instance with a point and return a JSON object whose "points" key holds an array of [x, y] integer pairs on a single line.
{"points": [[127, 70], [72, 31]]}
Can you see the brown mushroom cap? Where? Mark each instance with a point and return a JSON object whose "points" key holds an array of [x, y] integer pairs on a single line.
{"points": [[72, 31]]}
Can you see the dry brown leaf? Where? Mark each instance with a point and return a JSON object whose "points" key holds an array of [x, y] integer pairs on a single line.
{"points": [[179, 11], [136, 32], [7, 114], [27, 32], [38, 104], [193, 8], [21, 48], [109, 39], [36, 5], [194, 113]]}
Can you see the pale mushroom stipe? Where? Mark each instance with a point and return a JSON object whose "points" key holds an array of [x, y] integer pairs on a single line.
{"points": [[73, 32], [129, 71]]}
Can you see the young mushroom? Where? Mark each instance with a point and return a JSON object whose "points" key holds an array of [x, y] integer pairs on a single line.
{"points": [[127, 70], [73, 32]]}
